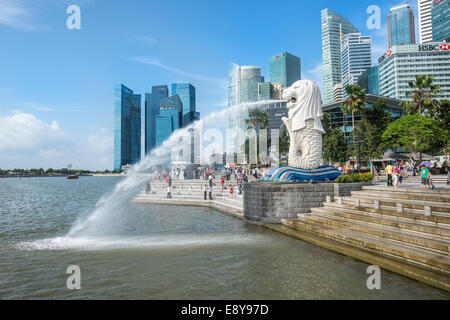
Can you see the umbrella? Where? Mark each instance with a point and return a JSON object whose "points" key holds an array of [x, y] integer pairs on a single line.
{"points": [[426, 164]]}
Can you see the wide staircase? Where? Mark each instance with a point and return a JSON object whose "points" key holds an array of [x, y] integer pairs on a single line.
{"points": [[190, 192], [437, 179], [403, 230]]}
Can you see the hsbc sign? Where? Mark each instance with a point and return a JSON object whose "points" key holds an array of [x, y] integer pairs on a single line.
{"points": [[434, 47], [421, 48]]}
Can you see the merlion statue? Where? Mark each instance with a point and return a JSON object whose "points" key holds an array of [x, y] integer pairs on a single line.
{"points": [[304, 124]]}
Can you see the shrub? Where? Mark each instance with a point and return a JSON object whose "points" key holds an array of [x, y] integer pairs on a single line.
{"points": [[355, 177]]}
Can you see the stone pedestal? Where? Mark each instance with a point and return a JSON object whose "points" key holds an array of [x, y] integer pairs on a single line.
{"points": [[267, 202]]}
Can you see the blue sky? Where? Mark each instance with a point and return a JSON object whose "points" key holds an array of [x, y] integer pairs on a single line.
{"points": [[57, 85]]}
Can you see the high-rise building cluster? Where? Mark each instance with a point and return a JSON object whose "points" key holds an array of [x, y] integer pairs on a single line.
{"points": [[247, 85], [347, 60], [163, 115], [347, 56]]}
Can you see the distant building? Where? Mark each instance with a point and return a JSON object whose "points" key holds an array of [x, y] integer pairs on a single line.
{"points": [[332, 26], [401, 28], [337, 92], [169, 118], [190, 118], [276, 111], [370, 80], [285, 68], [265, 91], [356, 52], [186, 91], [399, 65], [440, 18], [243, 87], [338, 118], [425, 25], [152, 105], [127, 127]]}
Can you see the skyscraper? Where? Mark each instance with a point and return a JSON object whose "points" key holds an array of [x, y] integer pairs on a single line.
{"points": [[356, 58], [285, 68], [169, 118], [332, 25], [152, 105], [127, 127], [186, 91], [401, 28], [370, 80], [440, 18], [425, 26]]}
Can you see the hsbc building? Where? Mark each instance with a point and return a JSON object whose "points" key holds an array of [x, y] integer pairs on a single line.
{"points": [[399, 65]]}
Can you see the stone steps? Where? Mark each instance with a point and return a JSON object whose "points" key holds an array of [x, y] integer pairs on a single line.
{"points": [[419, 239], [424, 258], [436, 206], [421, 196], [408, 215]]}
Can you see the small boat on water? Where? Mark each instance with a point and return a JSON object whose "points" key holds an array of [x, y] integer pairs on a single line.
{"points": [[73, 177]]}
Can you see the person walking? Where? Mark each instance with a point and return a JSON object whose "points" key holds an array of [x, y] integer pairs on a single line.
{"points": [[396, 173], [389, 169]]}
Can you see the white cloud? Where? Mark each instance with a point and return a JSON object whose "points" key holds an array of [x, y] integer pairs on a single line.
{"points": [[189, 76], [16, 14], [28, 142], [315, 74]]}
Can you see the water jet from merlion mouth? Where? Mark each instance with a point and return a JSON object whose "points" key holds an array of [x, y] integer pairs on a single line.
{"points": [[97, 222]]}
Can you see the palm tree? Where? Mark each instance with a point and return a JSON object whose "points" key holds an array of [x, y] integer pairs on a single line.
{"points": [[355, 102], [423, 92], [258, 119]]}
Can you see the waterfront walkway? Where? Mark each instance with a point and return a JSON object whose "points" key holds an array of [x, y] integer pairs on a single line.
{"points": [[190, 192], [405, 230]]}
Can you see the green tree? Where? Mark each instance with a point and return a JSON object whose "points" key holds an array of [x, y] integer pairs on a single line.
{"points": [[441, 112], [335, 148], [374, 121], [257, 119], [355, 102], [415, 133], [423, 93]]}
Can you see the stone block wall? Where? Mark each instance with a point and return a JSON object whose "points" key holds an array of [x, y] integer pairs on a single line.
{"points": [[271, 202]]}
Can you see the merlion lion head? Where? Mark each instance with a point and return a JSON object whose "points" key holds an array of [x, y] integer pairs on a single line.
{"points": [[304, 102]]}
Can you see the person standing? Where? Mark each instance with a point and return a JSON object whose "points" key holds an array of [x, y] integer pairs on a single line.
{"points": [[425, 175], [231, 191], [205, 190], [210, 192], [169, 192], [389, 169], [222, 182], [448, 174], [210, 178], [240, 188], [397, 173]]}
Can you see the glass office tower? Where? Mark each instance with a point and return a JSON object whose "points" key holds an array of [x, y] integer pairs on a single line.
{"points": [[285, 68], [127, 127], [186, 92], [370, 80], [401, 28], [440, 19], [332, 25], [152, 104], [356, 58], [169, 118]]}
